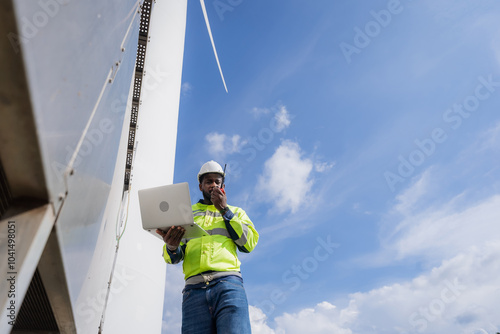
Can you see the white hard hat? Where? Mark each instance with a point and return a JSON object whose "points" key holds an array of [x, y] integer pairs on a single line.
{"points": [[210, 167]]}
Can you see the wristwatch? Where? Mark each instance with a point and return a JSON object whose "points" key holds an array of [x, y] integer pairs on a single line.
{"points": [[223, 211]]}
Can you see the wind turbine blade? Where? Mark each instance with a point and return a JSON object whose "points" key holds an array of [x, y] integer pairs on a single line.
{"points": [[204, 9]]}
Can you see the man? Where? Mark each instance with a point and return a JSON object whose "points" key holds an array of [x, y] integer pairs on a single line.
{"points": [[214, 299]]}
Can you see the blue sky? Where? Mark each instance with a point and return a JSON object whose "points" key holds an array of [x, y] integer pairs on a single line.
{"points": [[370, 127]]}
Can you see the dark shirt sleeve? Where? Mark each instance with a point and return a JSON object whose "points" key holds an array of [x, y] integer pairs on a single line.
{"points": [[174, 257]]}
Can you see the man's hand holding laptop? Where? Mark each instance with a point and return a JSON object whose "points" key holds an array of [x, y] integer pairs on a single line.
{"points": [[172, 237]]}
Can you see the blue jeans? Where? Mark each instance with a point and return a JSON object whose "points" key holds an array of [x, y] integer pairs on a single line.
{"points": [[219, 307]]}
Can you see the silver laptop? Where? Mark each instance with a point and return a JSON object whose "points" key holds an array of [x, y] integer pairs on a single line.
{"points": [[166, 206]]}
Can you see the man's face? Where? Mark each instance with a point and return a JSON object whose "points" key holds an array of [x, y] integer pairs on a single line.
{"points": [[209, 182]]}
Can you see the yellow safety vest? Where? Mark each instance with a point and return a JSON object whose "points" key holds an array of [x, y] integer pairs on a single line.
{"points": [[217, 251]]}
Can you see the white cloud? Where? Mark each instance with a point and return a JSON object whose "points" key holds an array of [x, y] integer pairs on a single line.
{"points": [[186, 88], [458, 296], [258, 321], [454, 232], [408, 198], [287, 177], [215, 142], [257, 112], [220, 144], [430, 223], [420, 225], [490, 139], [322, 167], [323, 318], [444, 232], [235, 143], [282, 119]]}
